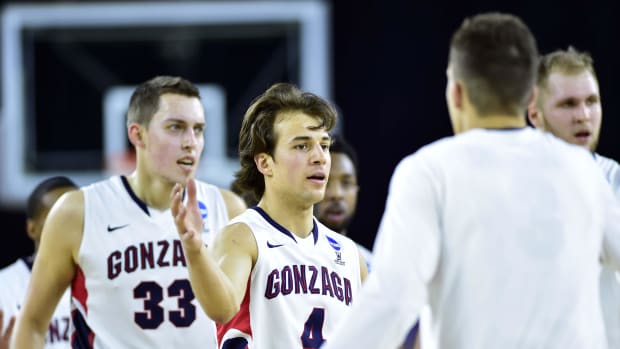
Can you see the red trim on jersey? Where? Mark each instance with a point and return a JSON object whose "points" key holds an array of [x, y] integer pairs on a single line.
{"points": [[82, 337], [78, 289], [241, 320]]}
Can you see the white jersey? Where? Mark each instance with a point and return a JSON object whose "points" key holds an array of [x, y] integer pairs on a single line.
{"points": [[298, 289], [132, 287], [500, 232], [13, 285], [610, 285]]}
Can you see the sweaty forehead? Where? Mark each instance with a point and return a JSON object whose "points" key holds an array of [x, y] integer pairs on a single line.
{"points": [[291, 124], [562, 86], [180, 108]]}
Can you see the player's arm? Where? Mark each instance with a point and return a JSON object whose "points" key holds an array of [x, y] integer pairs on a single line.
{"points": [[363, 266], [611, 237], [53, 270], [406, 254], [234, 203], [219, 274]]}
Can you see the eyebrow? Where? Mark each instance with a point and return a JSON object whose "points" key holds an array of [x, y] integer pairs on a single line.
{"points": [[181, 121], [307, 138]]}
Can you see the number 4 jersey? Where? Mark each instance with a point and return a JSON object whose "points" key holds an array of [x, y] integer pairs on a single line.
{"points": [[132, 288], [298, 289]]}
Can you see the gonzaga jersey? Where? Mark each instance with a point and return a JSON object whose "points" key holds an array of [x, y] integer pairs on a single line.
{"points": [[132, 288], [298, 289], [13, 285], [610, 286]]}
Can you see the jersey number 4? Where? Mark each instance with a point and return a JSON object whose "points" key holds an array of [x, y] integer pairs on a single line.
{"points": [[153, 294], [312, 337]]}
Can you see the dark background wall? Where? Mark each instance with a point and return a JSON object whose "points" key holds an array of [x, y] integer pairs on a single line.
{"points": [[389, 59]]}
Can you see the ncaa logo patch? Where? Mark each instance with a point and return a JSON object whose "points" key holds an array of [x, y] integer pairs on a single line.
{"points": [[203, 214], [335, 245], [203, 209]]}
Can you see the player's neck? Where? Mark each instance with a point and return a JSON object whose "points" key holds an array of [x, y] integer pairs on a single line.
{"points": [[154, 193], [493, 121], [295, 218]]}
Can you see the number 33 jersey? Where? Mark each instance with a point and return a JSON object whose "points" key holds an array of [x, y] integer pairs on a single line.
{"points": [[298, 289], [132, 287]]}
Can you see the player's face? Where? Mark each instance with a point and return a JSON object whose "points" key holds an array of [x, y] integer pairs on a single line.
{"points": [[338, 207], [301, 159], [35, 224], [571, 108], [174, 138]]}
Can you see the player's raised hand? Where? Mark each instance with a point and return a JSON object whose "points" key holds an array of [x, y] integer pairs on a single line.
{"points": [[187, 216], [5, 336]]}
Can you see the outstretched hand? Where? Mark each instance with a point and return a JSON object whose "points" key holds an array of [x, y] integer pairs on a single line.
{"points": [[5, 336], [187, 216]]}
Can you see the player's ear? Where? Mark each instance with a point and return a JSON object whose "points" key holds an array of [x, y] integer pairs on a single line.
{"points": [[264, 163], [534, 114], [457, 92], [30, 228], [135, 135]]}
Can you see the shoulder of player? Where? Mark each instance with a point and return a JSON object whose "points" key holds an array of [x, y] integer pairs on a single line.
{"points": [[606, 162], [236, 235], [432, 153], [65, 221], [70, 205]]}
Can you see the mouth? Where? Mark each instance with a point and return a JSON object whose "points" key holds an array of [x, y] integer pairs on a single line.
{"points": [[335, 212], [335, 215], [186, 163], [583, 137], [318, 178]]}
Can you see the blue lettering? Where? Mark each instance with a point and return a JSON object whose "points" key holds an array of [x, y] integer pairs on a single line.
{"points": [[313, 288], [327, 286], [337, 284], [178, 258], [131, 259], [348, 293], [286, 281], [146, 252], [164, 249], [114, 264], [299, 276], [273, 287]]}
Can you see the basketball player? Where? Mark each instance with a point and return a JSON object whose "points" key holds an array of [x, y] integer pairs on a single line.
{"points": [[337, 208], [115, 241], [14, 278], [499, 228], [275, 277], [569, 106]]}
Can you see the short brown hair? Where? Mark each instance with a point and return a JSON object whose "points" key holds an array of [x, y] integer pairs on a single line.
{"points": [[496, 57], [257, 133], [144, 101], [569, 61]]}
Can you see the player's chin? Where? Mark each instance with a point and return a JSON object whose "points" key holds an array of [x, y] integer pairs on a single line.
{"points": [[182, 177], [316, 196]]}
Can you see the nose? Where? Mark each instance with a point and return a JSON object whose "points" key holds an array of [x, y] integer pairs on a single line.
{"points": [[582, 113], [320, 155], [190, 139]]}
